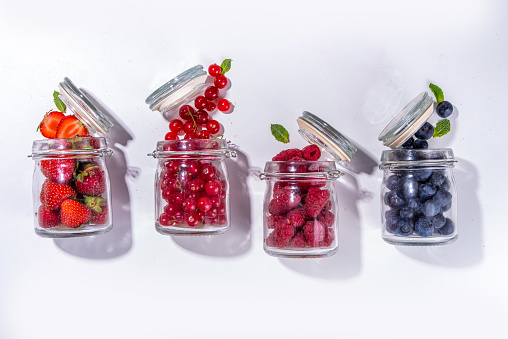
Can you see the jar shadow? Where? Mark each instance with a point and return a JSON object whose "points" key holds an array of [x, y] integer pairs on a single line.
{"points": [[467, 250], [237, 239], [346, 263], [118, 241]]}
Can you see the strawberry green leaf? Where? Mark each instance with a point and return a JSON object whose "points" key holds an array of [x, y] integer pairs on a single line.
{"points": [[59, 103], [280, 133], [438, 93], [442, 128], [226, 66]]}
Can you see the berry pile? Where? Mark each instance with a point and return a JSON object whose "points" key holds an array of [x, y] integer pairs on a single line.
{"points": [[195, 121], [299, 210], [418, 201]]}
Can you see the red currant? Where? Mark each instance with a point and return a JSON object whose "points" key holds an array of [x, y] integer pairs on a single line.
{"points": [[212, 93], [192, 219], [223, 105], [204, 134], [197, 185], [176, 125], [212, 187], [189, 127], [186, 111], [164, 219], [177, 198], [190, 136], [204, 204], [189, 204], [201, 117], [214, 70], [220, 81], [207, 172], [200, 102], [194, 167], [171, 136], [171, 209], [213, 126], [210, 106]]}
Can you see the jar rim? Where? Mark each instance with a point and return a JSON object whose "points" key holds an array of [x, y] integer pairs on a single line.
{"points": [[171, 87], [317, 131], [417, 156], [89, 146], [408, 120], [84, 110]]}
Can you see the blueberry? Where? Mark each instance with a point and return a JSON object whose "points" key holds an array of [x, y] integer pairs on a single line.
{"points": [[437, 178], [431, 208], [409, 187], [420, 144], [444, 109], [406, 212], [408, 144], [446, 184], [423, 174], [394, 199], [415, 205], [405, 227], [426, 191], [425, 132], [446, 207], [392, 182], [442, 197], [424, 227], [438, 220], [448, 228]]}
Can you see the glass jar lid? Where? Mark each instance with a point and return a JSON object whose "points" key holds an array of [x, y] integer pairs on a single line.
{"points": [[408, 121], [318, 132], [177, 89], [84, 110]]}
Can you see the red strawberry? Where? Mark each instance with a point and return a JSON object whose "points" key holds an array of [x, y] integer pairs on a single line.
{"points": [[69, 127], [49, 124], [48, 217], [99, 208], [74, 213], [91, 180], [52, 194], [89, 142], [58, 170]]}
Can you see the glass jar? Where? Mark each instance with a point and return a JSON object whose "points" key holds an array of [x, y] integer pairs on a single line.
{"points": [[191, 187], [418, 194], [300, 211], [71, 190]]}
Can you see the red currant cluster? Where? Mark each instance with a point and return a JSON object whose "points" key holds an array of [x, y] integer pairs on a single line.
{"points": [[195, 192], [195, 122]]}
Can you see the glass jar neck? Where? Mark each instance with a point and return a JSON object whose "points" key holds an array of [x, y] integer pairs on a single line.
{"points": [[190, 148], [56, 148], [411, 158]]}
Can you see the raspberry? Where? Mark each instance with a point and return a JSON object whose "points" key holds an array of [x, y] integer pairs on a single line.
{"points": [[297, 217], [328, 205], [287, 154], [282, 234], [311, 153], [298, 240], [273, 219], [329, 237], [314, 233], [284, 201], [315, 201], [326, 217]]}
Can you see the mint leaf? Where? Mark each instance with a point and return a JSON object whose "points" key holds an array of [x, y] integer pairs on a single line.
{"points": [[442, 128], [226, 66], [438, 93], [280, 133], [59, 103]]}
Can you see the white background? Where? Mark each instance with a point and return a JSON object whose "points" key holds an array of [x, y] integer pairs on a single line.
{"points": [[353, 63]]}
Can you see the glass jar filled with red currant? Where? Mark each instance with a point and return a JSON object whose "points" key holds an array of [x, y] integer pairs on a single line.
{"points": [[300, 205], [418, 193], [191, 182], [71, 189]]}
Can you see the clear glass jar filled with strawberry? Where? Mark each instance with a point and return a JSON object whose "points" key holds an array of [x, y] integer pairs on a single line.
{"points": [[191, 181], [418, 193], [300, 205], [71, 190]]}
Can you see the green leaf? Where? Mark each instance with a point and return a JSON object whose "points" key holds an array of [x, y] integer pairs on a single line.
{"points": [[59, 103], [442, 128], [438, 93], [226, 66], [280, 133]]}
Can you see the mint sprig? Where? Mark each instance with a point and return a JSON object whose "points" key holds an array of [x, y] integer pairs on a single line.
{"points": [[59, 103], [280, 133], [438, 93], [226, 66], [442, 128]]}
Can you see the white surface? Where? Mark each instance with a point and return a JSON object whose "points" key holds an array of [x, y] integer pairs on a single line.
{"points": [[354, 64]]}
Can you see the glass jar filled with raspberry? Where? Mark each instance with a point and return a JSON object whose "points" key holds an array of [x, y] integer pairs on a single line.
{"points": [[418, 193], [300, 205], [71, 190]]}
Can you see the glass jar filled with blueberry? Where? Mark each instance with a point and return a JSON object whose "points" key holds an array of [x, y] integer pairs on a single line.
{"points": [[418, 194], [300, 205]]}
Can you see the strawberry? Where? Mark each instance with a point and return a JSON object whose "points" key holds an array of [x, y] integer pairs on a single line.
{"points": [[49, 124], [58, 170], [91, 180], [99, 208], [48, 217], [73, 213], [52, 194], [69, 127]]}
